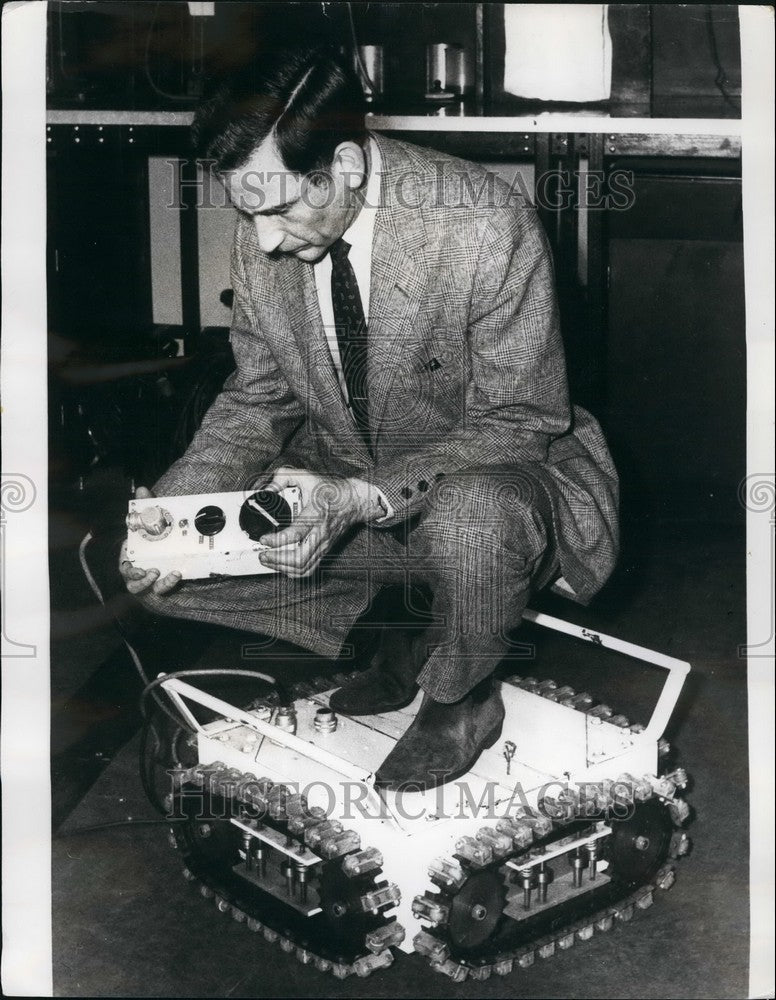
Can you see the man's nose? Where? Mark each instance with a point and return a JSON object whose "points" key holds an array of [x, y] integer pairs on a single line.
{"points": [[269, 234]]}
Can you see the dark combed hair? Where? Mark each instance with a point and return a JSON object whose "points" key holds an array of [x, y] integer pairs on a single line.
{"points": [[309, 96]]}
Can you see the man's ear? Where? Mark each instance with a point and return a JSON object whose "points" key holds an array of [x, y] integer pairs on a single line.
{"points": [[350, 164]]}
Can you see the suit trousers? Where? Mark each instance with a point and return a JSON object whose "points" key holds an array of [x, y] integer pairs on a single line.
{"points": [[484, 541]]}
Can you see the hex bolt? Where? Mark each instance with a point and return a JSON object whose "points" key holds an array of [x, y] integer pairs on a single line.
{"points": [[246, 842], [527, 880], [641, 843], [479, 912], [543, 880], [301, 874], [288, 871], [577, 863], [592, 853]]}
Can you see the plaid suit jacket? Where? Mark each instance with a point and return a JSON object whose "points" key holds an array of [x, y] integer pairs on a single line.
{"points": [[465, 362]]}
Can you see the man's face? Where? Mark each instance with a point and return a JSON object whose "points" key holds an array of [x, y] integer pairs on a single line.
{"points": [[297, 214]]}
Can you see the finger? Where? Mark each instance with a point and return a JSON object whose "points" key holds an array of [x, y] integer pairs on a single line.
{"points": [[130, 572], [143, 584], [291, 535], [284, 477], [302, 560], [167, 583], [143, 493]]}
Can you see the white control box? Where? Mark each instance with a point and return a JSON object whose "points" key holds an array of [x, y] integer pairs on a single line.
{"points": [[207, 534]]}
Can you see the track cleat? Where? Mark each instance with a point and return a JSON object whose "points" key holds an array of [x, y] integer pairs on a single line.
{"points": [[680, 811], [645, 900], [561, 694], [499, 843], [480, 972], [337, 844], [389, 936], [474, 851], [314, 834], [581, 702], [368, 964], [431, 909], [382, 896], [546, 950], [519, 830], [679, 777], [434, 949], [297, 825], [446, 874], [454, 970], [367, 860], [680, 844]]}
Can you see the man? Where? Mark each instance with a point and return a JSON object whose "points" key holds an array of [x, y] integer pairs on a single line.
{"points": [[399, 359]]}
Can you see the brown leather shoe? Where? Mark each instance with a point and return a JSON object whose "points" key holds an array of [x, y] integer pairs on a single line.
{"points": [[444, 741], [389, 683]]}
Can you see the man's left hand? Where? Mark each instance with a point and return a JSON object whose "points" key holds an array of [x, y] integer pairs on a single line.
{"points": [[331, 505]]}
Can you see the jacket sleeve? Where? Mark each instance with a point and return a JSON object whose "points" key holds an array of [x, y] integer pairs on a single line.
{"points": [[516, 400], [248, 424]]}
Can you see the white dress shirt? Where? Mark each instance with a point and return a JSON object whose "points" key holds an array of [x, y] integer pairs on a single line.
{"points": [[359, 236]]}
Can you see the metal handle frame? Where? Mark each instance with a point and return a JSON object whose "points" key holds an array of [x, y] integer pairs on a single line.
{"points": [[677, 669]]}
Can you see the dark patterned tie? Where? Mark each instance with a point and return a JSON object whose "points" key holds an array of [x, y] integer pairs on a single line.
{"points": [[351, 333]]}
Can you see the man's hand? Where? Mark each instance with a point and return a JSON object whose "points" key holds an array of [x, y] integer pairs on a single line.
{"points": [[137, 580], [331, 505]]}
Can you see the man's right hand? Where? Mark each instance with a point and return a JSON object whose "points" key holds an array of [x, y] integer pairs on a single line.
{"points": [[139, 581]]}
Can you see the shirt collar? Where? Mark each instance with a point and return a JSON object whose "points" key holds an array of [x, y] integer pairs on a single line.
{"points": [[359, 235]]}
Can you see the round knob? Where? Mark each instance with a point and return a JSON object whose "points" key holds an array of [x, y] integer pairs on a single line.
{"points": [[264, 513], [210, 520]]}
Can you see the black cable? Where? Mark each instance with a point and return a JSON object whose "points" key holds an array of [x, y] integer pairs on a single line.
{"points": [[205, 672], [118, 823]]}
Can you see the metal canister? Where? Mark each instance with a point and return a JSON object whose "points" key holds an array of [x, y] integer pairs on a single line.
{"points": [[285, 719], [325, 721], [444, 71], [371, 57]]}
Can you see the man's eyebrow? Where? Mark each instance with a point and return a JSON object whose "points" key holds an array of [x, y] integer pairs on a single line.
{"points": [[275, 208]]}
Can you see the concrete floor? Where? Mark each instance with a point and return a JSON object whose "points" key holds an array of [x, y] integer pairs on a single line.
{"points": [[126, 924]]}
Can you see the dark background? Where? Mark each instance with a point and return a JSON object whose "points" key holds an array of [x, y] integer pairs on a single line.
{"points": [[654, 331]]}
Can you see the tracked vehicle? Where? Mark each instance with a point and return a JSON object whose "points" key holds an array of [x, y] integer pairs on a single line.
{"points": [[570, 822]]}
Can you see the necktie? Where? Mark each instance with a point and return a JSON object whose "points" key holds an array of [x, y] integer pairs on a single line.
{"points": [[351, 333]]}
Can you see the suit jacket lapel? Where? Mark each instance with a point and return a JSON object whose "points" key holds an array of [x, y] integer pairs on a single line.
{"points": [[398, 282]]}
